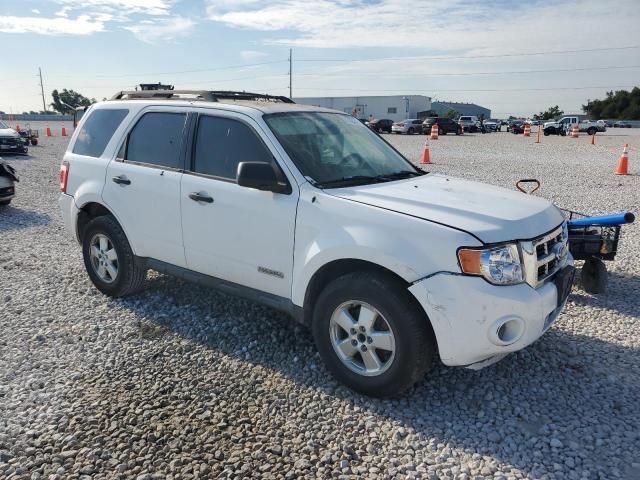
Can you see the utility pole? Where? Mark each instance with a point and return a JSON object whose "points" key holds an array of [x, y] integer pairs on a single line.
{"points": [[44, 103], [290, 72]]}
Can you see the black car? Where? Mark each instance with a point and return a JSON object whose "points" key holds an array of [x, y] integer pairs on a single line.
{"points": [[445, 125], [380, 125], [622, 124], [516, 127]]}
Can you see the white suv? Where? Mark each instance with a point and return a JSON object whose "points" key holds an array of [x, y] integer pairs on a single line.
{"points": [[307, 210]]}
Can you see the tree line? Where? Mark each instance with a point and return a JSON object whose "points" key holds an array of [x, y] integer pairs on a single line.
{"points": [[620, 104]]}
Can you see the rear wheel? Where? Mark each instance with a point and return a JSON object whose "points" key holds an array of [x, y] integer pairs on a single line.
{"points": [[591, 131], [109, 260], [371, 334]]}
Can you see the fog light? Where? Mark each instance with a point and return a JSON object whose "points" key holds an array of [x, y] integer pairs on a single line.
{"points": [[506, 331]]}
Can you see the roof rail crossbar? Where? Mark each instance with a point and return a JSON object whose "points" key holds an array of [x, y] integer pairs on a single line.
{"points": [[201, 95]]}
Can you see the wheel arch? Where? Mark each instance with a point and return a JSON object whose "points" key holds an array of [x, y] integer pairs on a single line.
{"points": [[337, 268], [88, 212]]}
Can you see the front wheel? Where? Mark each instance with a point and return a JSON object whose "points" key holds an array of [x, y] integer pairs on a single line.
{"points": [[591, 131], [372, 335], [109, 260], [4, 203]]}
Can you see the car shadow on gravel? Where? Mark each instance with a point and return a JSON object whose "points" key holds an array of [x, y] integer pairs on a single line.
{"points": [[564, 403], [16, 218], [616, 297]]}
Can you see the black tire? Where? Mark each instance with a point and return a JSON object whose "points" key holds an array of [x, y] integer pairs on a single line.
{"points": [[547, 132], [411, 131], [34, 141], [131, 272], [4, 203], [591, 131], [459, 131], [594, 276], [415, 342]]}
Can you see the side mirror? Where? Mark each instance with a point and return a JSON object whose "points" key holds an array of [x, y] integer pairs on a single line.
{"points": [[261, 176]]}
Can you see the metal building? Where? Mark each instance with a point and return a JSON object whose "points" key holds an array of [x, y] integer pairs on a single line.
{"points": [[393, 107], [441, 108]]}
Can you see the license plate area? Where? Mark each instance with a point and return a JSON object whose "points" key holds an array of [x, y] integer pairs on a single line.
{"points": [[564, 281]]}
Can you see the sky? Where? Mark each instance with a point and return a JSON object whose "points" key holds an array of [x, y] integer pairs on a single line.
{"points": [[516, 58]]}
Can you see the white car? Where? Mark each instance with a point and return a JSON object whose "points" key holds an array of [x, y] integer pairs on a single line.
{"points": [[408, 126], [11, 141], [308, 211]]}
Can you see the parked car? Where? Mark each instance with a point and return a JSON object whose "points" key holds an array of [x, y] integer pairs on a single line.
{"points": [[516, 127], [380, 125], [409, 126], [469, 123], [561, 126], [622, 124], [11, 141], [8, 177], [607, 123], [491, 126], [445, 125], [306, 210]]}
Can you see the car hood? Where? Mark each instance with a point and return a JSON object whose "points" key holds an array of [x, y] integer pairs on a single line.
{"points": [[8, 132], [492, 214]]}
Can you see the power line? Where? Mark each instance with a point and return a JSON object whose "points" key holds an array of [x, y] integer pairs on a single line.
{"points": [[468, 90], [177, 72], [447, 57], [465, 74]]}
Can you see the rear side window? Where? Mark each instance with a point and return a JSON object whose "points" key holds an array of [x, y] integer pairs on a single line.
{"points": [[97, 130], [157, 139], [222, 143]]}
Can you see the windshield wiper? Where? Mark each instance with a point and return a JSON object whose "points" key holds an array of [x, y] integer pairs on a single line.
{"points": [[371, 178], [353, 178]]}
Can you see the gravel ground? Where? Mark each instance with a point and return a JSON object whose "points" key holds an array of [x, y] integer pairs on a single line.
{"points": [[184, 382]]}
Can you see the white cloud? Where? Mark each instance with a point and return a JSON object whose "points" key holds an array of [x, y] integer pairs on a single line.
{"points": [[36, 11], [433, 25], [162, 30], [126, 7], [82, 25], [251, 54]]}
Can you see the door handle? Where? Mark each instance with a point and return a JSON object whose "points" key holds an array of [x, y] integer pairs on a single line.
{"points": [[121, 180], [200, 197]]}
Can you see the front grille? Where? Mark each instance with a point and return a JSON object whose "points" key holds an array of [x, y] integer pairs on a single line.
{"points": [[9, 141], [551, 251], [6, 191]]}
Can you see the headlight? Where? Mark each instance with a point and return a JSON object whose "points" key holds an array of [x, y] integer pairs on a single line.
{"points": [[499, 265]]}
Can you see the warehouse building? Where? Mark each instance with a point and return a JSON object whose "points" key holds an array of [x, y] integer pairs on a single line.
{"points": [[442, 108], [394, 107]]}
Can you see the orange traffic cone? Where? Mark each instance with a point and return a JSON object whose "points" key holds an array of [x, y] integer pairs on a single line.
{"points": [[526, 131], [593, 139], [426, 156], [623, 162], [538, 140], [48, 132], [64, 132], [434, 131], [575, 132]]}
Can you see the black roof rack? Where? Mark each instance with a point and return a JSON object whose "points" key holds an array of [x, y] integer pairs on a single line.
{"points": [[201, 95]]}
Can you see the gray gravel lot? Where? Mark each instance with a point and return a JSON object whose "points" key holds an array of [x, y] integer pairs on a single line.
{"points": [[184, 382]]}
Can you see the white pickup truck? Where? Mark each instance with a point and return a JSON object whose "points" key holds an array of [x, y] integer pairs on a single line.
{"points": [[561, 126], [308, 211]]}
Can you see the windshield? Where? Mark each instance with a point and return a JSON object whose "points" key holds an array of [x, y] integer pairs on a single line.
{"points": [[332, 149]]}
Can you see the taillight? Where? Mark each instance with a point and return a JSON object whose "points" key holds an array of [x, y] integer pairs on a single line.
{"points": [[64, 176]]}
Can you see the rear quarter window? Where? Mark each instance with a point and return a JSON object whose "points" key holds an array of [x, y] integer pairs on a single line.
{"points": [[97, 130]]}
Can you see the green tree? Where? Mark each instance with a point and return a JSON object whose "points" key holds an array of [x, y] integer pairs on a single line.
{"points": [[66, 101], [619, 104], [549, 114], [452, 114]]}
